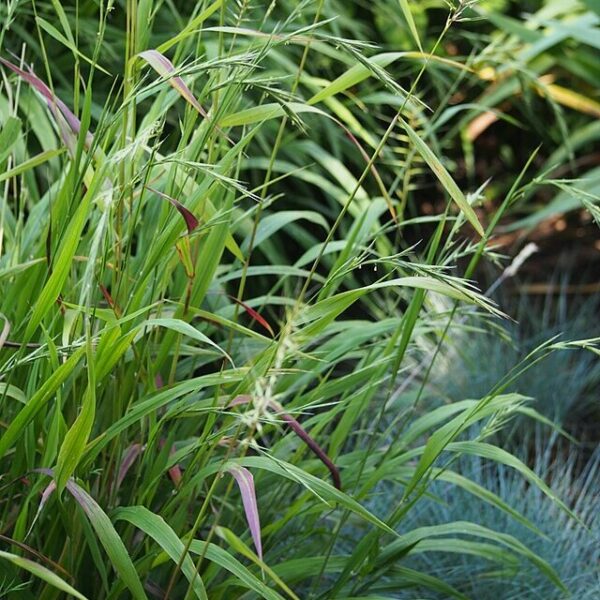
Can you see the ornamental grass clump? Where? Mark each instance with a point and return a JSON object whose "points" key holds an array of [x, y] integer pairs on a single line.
{"points": [[234, 241]]}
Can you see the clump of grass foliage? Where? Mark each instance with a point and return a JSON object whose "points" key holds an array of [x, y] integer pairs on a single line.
{"points": [[562, 385], [218, 286], [571, 548]]}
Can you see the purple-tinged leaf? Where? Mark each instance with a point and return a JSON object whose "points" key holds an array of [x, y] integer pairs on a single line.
{"points": [[190, 220], [50, 488], [300, 432], [164, 67], [51, 99], [240, 400], [254, 314], [48, 491], [317, 450], [245, 482], [33, 80], [110, 540], [107, 535], [129, 458]]}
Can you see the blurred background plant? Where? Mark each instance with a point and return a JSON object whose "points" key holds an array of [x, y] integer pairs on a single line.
{"points": [[563, 386]]}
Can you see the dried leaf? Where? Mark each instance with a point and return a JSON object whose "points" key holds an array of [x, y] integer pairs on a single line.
{"points": [[5, 331]]}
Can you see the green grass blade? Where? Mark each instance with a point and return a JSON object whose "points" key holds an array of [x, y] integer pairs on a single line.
{"points": [[43, 573], [110, 540], [444, 177], [160, 531]]}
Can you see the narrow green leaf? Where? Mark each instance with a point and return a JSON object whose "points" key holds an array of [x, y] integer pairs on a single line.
{"points": [[192, 27], [17, 426], [320, 488], [62, 263], [59, 37], [9, 136], [110, 540], [265, 112], [148, 405], [43, 573], [417, 536], [414, 577], [239, 546], [33, 162], [64, 21], [404, 5], [160, 531], [77, 437], [12, 391], [270, 224], [222, 558], [470, 413], [183, 328], [444, 177], [500, 455]]}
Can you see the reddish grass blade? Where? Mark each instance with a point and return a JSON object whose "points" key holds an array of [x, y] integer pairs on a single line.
{"points": [[164, 67], [110, 300], [175, 471], [317, 450], [245, 482], [301, 433], [51, 99], [254, 314], [190, 220], [129, 458]]}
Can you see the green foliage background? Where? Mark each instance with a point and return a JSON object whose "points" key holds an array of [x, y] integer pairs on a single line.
{"points": [[233, 233]]}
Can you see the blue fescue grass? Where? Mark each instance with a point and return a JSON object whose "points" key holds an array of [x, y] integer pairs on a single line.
{"points": [[562, 385], [572, 549]]}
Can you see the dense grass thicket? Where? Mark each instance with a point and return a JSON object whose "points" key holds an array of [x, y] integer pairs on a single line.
{"points": [[246, 347]]}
